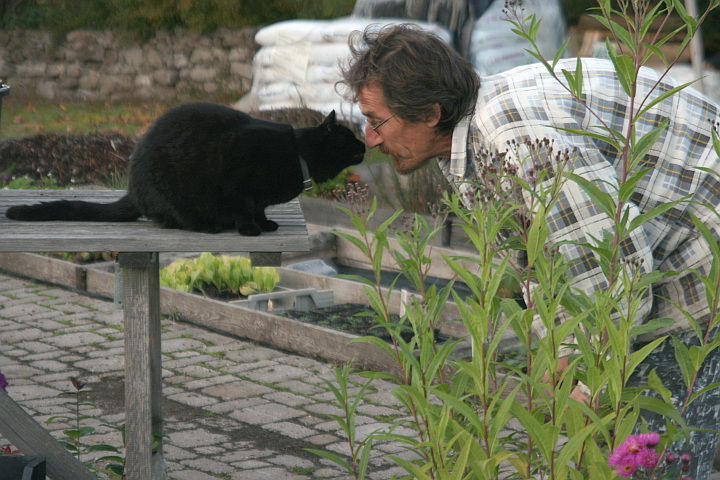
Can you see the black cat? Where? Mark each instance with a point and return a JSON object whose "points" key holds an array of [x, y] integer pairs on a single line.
{"points": [[207, 167]]}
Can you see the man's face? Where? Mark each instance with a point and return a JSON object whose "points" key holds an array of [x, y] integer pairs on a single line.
{"points": [[409, 144]]}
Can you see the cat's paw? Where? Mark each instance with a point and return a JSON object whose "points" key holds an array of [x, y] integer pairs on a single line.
{"points": [[249, 229], [268, 226]]}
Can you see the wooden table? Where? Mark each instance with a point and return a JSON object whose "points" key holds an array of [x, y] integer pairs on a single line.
{"points": [[138, 244]]}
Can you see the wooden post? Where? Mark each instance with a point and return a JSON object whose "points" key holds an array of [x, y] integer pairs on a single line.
{"points": [[143, 368], [33, 440]]}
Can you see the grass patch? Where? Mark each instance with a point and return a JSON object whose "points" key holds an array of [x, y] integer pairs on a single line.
{"points": [[21, 117]]}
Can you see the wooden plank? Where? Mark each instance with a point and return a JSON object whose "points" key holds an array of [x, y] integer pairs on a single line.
{"points": [[138, 236], [32, 439], [280, 332], [143, 382], [44, 268]]}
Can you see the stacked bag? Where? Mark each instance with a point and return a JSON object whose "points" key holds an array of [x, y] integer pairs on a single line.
{"points": [[494, 48], [297, 64]]}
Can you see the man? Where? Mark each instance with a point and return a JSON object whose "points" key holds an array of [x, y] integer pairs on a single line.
{"points": [[423, 101]]}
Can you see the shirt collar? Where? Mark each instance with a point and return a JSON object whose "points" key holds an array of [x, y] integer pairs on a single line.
{"points": [[458, 152]]}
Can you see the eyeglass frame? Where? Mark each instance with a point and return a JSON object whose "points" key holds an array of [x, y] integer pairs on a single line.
{"points": [[374, 128]]}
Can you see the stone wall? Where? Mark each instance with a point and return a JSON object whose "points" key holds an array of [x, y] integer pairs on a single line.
{"points": [[102, 65]]}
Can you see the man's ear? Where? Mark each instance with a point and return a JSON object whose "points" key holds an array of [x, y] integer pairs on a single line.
{"points": [[435, 116], [330, 121]]}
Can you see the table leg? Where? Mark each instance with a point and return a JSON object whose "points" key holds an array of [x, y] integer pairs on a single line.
{"points": [[143, 366]]}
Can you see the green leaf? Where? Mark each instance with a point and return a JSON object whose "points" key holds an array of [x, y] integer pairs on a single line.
{"points": [[354, 240], [542, 437], [570, 79], [703, 391], [654, 212], [627, 188], [682, 355], [654, 50], [656, 384], [560, 52], [647, 141], [638, 356], [578, 78], [537, 235], [332, 457], [624, 36], [624, 68], [603, 199], [707, 235], [662, 97]]}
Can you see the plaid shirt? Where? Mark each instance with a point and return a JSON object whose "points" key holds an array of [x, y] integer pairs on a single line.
{"points": [[528, 103]]}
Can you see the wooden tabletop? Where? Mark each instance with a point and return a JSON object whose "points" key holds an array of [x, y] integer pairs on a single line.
{"points": [[138, 236]]}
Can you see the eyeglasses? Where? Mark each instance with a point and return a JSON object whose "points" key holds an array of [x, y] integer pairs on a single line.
{"points": [[375, 126]]}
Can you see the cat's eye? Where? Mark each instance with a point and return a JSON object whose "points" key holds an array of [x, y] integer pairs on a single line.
{"points": [[375, 125]]}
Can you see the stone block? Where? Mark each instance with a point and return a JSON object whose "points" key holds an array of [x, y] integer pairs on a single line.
{"points": [[31, 69]]}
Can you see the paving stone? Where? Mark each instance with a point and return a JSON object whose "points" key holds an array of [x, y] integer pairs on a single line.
{"points": [[193, 399], [29, 392], [76, 339], [15, 371], [23, 335], [250, 464], [49, 365], [196, 438], [266, 413], [268, 474], [208, 465], [232, 405], [289, 399], [289, 429], [248, 454], [300, 387], [102, 365], [172, 452], [276, 374], [207, 382], [20, 310], [291, 461], [179, 344], [322, 439], [35, 347], [192, 475], [253, 354], [238, 389], [44, 356]]}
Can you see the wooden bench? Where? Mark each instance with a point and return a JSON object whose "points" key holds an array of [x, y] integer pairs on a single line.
{"points": [[138, 244]]}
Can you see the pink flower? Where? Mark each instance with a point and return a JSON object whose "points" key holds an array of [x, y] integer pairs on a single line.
{"points": [[625, 470], [648, 458], [648, 439]]}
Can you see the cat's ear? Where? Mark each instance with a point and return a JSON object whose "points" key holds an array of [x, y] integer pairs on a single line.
{"points": [[330, 121]]}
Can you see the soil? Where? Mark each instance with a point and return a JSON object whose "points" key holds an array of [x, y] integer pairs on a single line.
{"points": [[94, 158]]}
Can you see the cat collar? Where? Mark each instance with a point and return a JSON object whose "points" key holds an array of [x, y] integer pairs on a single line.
{"points": [[307, 183]]}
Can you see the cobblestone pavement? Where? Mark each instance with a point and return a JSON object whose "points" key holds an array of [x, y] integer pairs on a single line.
{"points": [[232, 409]]}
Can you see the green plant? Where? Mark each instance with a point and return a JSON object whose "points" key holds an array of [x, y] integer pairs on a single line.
{"points": [[25, 183], [359, 451], [461, 409], [74, 436], [219, 274]]}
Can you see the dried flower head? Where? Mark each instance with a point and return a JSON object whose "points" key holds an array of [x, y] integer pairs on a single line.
{"points": [[77, 383]]}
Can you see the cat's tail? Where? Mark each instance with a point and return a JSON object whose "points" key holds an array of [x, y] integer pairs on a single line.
{"points": [[122, 210]]}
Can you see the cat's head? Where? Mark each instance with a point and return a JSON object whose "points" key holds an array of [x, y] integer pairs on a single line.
{"points": [[331, 148]]}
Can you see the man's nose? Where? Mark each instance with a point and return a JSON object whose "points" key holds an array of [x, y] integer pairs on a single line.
{"points": [[372, 138]]}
